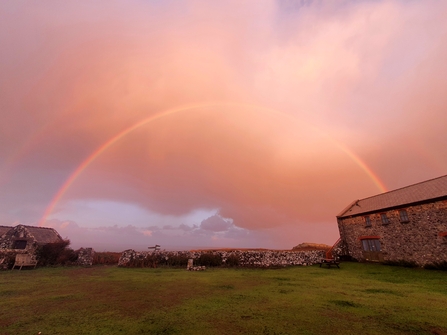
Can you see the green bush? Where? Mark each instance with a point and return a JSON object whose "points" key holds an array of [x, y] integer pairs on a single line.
{"points": [[106, 258], [209, 259], [232, 260], [175, 260], [56, 254]]}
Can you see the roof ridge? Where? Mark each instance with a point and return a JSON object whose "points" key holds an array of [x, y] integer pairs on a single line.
{"points": [[37, 227], [347, 208], [401, 188], [430, 189]]}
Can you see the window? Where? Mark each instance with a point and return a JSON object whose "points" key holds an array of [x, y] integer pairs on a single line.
{"points": [[367, 221], [371, 245], [403, 215], [384, 218], [19, 244]]}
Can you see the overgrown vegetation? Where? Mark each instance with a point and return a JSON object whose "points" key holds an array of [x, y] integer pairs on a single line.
{"points": [[208, 259], [150, 261], [156, 260], [106, 258], [7, 260], [232, 260], [56, 254], [356, 299]]}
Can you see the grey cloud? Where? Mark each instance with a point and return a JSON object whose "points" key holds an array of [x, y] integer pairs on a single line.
{"points": [[215, 223]]}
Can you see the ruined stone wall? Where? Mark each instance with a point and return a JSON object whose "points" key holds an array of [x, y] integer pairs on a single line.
{"points": [[422, 240], [85, 256], [246, 258]]}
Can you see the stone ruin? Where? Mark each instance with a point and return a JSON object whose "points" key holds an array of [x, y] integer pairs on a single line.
{"points": [[191, 267], [85, 256]]}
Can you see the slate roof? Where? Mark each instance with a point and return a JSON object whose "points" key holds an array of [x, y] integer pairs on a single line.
{"points": [[44, 235], [424, 191]]}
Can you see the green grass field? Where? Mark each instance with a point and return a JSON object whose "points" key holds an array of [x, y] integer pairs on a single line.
{"points": [[356, 299]]}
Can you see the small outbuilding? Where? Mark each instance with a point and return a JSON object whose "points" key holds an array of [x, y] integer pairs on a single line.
{"points": [[405, 225], [26, 239]]}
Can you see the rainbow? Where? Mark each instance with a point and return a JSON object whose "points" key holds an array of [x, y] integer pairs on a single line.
{"points": [[95, 154], [375, 178]]}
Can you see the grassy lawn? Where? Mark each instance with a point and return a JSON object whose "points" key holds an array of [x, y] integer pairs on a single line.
{"points": [[356, 299]]}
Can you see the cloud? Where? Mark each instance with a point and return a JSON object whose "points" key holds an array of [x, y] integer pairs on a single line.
{"points": [[310, 92], [147, 232], [214, 232], [183, 237], [187, 228], [215, 223]]}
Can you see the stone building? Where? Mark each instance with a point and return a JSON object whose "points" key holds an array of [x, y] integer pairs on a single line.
{"points": [[405, 225], [26, 239]]}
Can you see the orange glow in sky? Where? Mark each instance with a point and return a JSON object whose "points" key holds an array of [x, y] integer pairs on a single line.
{"points": [[215, 124]]}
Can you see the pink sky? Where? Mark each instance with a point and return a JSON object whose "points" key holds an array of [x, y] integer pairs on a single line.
{"points": [[215, 124]]}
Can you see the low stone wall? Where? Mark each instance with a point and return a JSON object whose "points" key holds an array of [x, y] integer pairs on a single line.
{"points": [[245, 258], [7, 257]]}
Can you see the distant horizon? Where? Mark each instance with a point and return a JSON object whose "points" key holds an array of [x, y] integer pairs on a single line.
{"points": [[120, 247]]}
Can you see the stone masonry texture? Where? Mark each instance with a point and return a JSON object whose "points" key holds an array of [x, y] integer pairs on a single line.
{"points": [[246, 258], [422, 240]]}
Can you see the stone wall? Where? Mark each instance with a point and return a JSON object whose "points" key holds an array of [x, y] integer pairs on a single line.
{"points": [[422, 240], [338, 250], [246, 258], [7, 257], [18, 233], [85, 256]]}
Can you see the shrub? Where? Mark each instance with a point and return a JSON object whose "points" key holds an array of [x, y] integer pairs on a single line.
{"points": [[106, 258], [56, 254], [209, 259], [232, 260], [175, 260], [148, 261]]}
